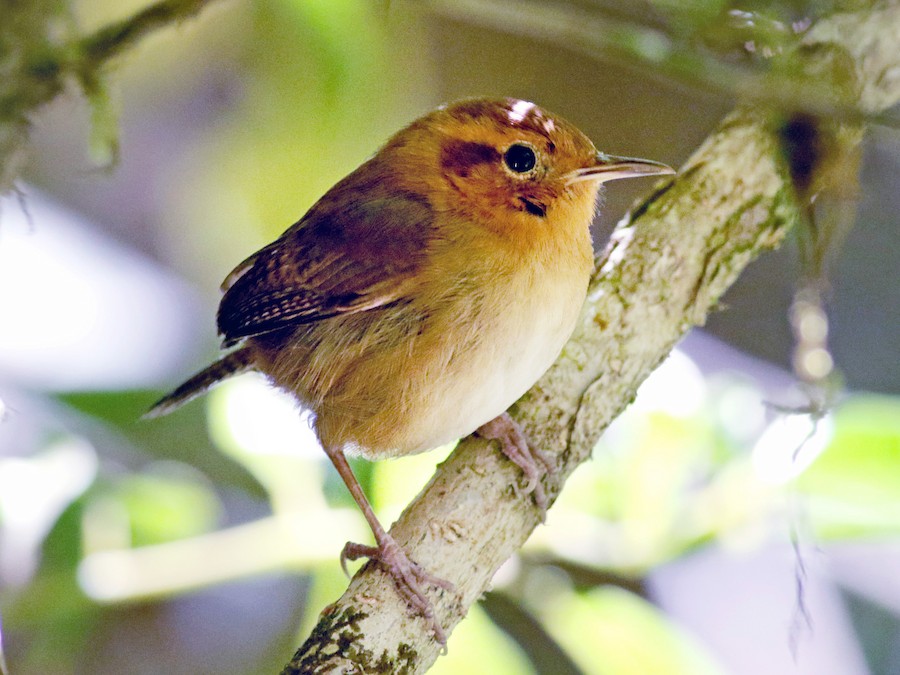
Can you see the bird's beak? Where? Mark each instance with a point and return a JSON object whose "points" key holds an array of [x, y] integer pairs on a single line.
{"points": [[609, 167]]}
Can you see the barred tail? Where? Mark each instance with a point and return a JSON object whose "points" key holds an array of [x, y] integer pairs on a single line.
{"points": [[230, 364]]}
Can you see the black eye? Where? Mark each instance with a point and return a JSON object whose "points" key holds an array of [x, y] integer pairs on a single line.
{"points": [[520, 158]]}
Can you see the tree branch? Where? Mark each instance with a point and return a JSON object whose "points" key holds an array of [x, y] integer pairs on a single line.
{"points": [[36, 64], [662, 273], [637, 38], [121, 35]]}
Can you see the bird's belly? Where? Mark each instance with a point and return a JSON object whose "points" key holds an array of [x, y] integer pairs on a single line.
{"points": [[487, 369], [495, 378]]}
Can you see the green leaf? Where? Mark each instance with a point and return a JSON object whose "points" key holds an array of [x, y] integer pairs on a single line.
{"points": [[478, 646], [181, 436], [169, 502], [609, 630], [853, 489]]}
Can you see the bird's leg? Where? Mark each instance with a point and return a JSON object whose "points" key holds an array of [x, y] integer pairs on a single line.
{"points": [[533, 463], [408, 575]]}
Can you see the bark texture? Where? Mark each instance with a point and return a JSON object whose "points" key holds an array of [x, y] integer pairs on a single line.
{"points": [[663, 272]]}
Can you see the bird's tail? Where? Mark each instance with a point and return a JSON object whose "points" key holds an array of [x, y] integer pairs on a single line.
{"points": [[231, 364]]}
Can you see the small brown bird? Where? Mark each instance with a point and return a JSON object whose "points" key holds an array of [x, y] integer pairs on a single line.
{"points": [[424, 294]]}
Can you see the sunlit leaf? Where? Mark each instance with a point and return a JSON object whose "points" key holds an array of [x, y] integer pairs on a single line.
{"points": [[395, 482], [609, 630], [478, 646], [267, 432], [854, 486], [169, 502], [181, 436]]}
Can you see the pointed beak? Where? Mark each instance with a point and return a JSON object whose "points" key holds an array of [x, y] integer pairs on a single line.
{"points": [[610, 167]]}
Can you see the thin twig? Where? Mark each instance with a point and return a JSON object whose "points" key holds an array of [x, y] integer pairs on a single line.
{"points": [[657, 53], [112, 40]]}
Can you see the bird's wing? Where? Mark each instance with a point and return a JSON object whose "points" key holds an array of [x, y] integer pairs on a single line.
{"points": [[334, 261]]}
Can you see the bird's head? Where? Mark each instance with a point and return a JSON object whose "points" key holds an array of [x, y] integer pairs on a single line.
{"points": [[508, 161]]}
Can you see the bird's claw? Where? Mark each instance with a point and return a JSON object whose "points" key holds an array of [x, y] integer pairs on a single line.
{"points": [[408, 577], [515, 446]]}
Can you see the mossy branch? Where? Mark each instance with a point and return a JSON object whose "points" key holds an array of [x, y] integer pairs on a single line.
{"points": [[663, 272], [42, 54], [114, 39]]}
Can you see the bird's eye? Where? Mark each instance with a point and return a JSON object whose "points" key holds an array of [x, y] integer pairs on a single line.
{"points": [[519, 158]]}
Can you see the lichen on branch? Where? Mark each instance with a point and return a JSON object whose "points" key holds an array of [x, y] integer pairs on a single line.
{"points": [[664, 271]]}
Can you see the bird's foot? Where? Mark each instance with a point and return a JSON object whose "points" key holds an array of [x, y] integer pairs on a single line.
{"points": [[533, 463], [408, 576]]}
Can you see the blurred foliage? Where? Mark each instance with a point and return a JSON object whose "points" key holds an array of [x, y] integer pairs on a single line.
{"points": [[854, 489], [317, 88], [665, 483], [608, 630], [299, 117]]}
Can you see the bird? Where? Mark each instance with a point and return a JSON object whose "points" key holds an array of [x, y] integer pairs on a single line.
{"points": [[423, 295]]}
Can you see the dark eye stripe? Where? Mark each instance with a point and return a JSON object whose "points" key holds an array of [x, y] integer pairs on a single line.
{"points": [[460, 156]]}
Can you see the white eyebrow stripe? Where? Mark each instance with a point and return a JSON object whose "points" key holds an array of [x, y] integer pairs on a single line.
{"points": [[520, 110]]}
